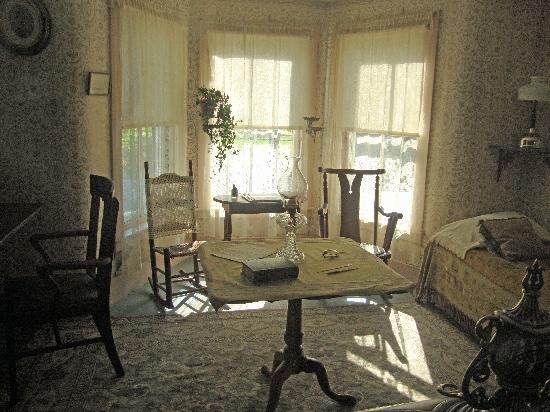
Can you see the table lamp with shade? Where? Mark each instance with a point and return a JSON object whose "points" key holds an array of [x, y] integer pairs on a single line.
{"points": [[536, 91]]}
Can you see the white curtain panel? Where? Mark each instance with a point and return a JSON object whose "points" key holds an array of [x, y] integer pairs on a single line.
{"points": [[268, 78], [378, 86], [153, 114]]}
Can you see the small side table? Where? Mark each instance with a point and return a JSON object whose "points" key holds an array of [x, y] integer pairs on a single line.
{"points": [[239, 205]]}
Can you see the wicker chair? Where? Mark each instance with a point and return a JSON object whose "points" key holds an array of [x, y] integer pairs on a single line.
{"points": [[66, 289], [349, 204], [170, 205]]}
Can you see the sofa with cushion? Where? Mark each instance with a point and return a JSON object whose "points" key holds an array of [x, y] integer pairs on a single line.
{"points": [[475, 266]]}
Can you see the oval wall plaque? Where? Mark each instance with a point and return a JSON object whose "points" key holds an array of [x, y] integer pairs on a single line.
{"points": [[25, 26]]}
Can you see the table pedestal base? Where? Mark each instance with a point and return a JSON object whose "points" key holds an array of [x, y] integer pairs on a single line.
{"points": [[291, 360]]}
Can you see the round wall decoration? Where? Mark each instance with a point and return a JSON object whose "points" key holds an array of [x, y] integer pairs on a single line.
{"points": [[25, 26]]}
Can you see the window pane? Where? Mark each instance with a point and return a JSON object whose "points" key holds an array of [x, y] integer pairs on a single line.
{"points": [[142, 144], [396, 155], [261, 159]]}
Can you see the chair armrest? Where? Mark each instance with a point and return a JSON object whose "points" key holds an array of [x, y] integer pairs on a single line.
{"points": [[390, 214], [77, 264], [37, 237]]}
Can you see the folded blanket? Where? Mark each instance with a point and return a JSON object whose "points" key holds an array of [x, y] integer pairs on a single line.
{"points": [[463, 235]]}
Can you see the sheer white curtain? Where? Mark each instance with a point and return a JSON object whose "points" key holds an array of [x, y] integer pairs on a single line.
{"points": [[152, 61], [268, 79], [380, 91]]}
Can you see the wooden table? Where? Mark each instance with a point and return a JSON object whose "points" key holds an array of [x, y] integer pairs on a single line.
{"points": [[239, 205], [13, 216], [370, 276]]}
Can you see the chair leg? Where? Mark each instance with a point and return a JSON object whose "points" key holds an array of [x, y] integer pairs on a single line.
{"points": [[168, 278], [103, 323], [10, 343], [154, 277], [196, 269]]}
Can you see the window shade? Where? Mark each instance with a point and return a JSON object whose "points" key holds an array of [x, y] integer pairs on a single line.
{"points": [[267, 77]]}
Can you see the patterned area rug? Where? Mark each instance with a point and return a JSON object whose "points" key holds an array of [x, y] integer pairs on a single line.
{"points": [[211, 361]]}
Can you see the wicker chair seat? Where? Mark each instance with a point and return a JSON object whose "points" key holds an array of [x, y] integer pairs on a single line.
{"points": [[185, 249]]}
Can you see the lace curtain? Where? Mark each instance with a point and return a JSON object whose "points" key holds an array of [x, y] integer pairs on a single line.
{"points": [[380, 85], [268, 80], [150, 61]]}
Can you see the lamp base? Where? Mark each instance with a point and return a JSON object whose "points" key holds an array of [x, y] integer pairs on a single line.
{"points": [[531, 140], [531, 143], [291, 221]]}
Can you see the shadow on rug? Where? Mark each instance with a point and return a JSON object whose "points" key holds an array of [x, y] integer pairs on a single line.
{"points": [[211, 361]]}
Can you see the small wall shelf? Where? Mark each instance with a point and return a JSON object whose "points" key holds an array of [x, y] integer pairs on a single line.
{"points": [[507, 152]]}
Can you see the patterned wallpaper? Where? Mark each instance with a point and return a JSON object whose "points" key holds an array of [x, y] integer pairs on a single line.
{"points": [[53, 135]]}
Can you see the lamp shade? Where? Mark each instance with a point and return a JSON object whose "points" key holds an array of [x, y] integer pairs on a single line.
{"points": [[537, 90]]}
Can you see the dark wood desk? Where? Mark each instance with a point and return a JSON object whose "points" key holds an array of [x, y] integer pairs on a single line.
{"points": [[369, 276], [13, 216], [239, 205]]}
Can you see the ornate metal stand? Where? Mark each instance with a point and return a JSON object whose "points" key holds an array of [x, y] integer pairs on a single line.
{"points": [[291, 360], [515, 346]]}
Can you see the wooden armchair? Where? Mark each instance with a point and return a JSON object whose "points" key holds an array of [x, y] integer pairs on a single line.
{"points": [[349, 208], [65, 289]]}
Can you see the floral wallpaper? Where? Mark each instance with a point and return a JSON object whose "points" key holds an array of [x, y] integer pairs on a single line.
{"points": [[53, 135]]}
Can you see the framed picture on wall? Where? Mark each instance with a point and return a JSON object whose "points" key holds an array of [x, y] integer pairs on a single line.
{"points": [[98, 83]]}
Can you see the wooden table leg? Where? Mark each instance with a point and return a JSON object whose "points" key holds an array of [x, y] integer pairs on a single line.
{"points": [[227, 226], [291, 360]]}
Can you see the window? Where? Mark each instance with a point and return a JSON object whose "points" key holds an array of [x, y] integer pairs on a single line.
{"points": [[138, 145], [380, 80], [267, 80], [153, 110], [395, 154], [261, 159]]}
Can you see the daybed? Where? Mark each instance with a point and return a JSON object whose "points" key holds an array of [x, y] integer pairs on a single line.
{"points": [[461, 277]]}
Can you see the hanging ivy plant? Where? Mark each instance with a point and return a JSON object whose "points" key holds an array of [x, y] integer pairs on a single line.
{"points": [[217, 121]]}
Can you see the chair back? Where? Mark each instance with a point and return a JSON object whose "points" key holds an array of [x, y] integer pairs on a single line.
{"points": [[101, 188], [170, 202], [350, 201], [107, 248]]}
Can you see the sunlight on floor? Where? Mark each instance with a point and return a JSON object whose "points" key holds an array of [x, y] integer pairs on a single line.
{"points": [[191, 303], [386, 377], [405, 330], [411, 357]]}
